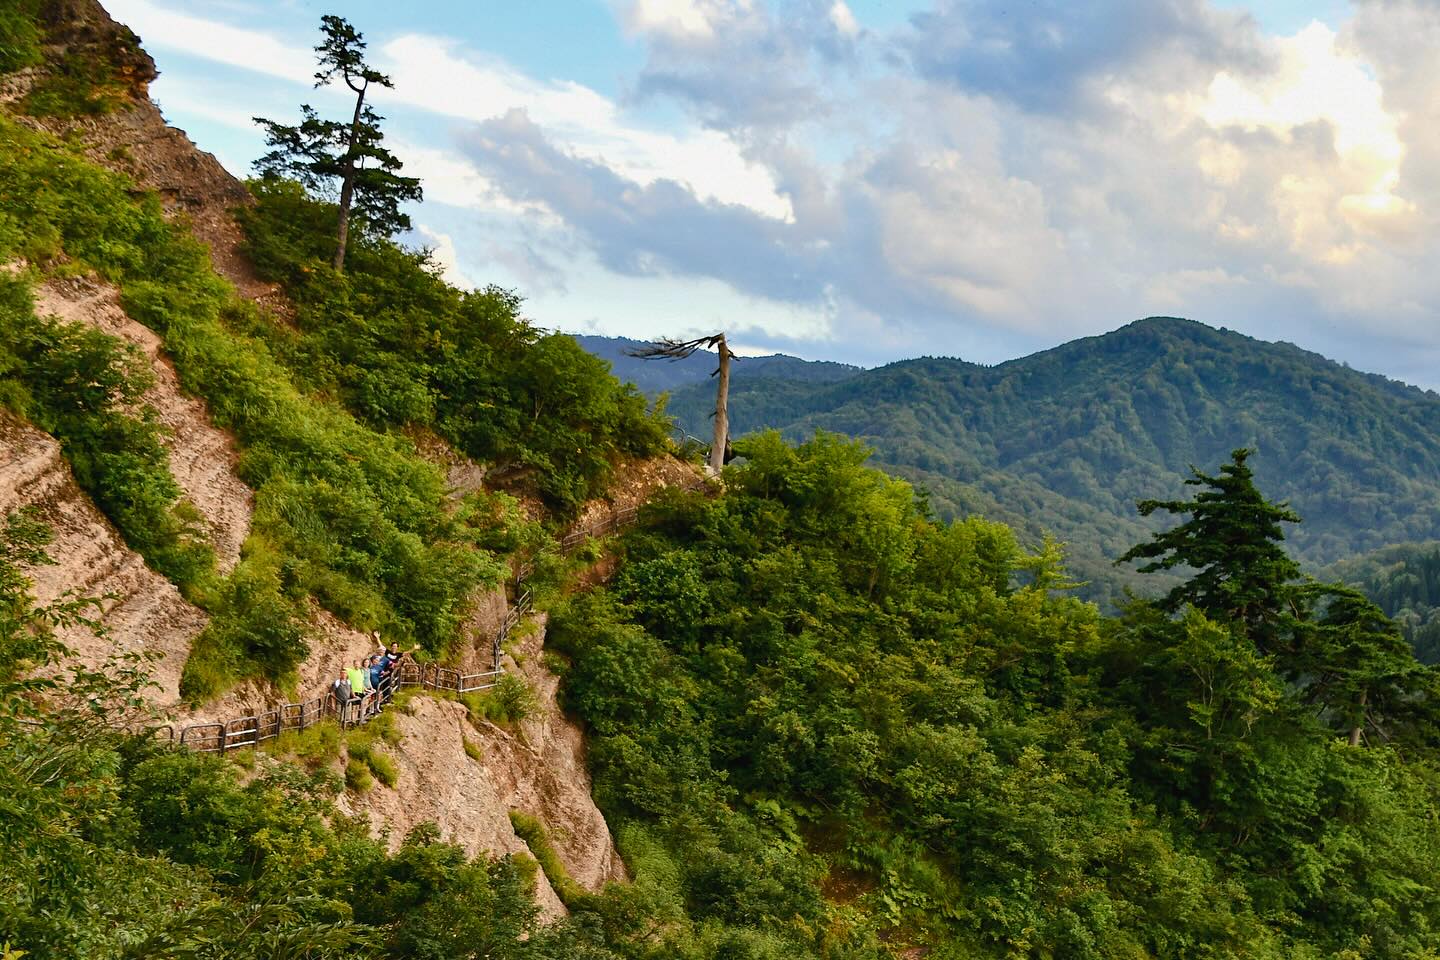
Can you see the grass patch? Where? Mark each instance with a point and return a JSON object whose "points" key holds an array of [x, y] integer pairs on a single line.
{"points": [[314, 747], [507, 703], [358, 777], [533, 832], [472, 750], [363, 746]]}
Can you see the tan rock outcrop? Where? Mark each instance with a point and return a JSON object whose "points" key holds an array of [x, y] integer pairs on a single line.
{"points": [[141, 610], [539, 768], [202, 457]]}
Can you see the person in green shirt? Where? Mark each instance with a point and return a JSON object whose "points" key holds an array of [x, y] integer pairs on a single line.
{"points": [[359, 686]]}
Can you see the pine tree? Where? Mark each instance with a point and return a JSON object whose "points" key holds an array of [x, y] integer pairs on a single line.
{"points": [[1352, 660], [1232, 542], [326, 154]]}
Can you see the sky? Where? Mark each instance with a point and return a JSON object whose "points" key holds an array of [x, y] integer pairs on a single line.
{"points": [[870, 180]]}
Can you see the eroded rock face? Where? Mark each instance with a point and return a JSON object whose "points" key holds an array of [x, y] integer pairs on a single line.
{"points": [[538, 768], [202, 457], [142, 611], [543, 763]]}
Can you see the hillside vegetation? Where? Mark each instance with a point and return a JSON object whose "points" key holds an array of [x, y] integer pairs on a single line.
{"points": [[1067, 440], [817, 713], [1404, 580], [822, 721], [346, 510]]}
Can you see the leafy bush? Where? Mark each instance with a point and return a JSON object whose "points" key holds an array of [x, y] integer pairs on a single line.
{"points": [[508, 702], [402, 348], [316, 747], [343, 513]]}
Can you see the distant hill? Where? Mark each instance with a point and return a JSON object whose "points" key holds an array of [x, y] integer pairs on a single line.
{"points": [[661, 376], [1067, 440]]}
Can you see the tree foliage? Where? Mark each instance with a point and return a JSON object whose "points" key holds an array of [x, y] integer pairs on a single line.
{"points": [[403, 348], [1231, 540], [346, 161], [819, 714]]}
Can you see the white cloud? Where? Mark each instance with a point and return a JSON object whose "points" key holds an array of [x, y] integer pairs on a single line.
{"points": [[435, 74], [438, 76], [843, 19], [682, 17], [1318, 82], [442, 250], [162, 27]]}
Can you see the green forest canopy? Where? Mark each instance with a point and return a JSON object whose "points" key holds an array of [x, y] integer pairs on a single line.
{"points": [[1066, 441]]}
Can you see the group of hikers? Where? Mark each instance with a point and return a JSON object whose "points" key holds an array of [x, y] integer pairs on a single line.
{"points": [[369, 683]]}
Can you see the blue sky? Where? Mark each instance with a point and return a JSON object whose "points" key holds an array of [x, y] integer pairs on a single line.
{"points": [[867, 180]]}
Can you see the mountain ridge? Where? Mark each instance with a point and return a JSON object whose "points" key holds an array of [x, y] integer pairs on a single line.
{"points": [[1077, 433]]}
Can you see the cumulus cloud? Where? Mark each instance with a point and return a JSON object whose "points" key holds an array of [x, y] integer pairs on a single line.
{"points": [[986, 178], [442, 252]]}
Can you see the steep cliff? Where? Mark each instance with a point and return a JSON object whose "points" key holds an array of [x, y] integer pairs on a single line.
{"points": [[142, 612], [537, 767]]}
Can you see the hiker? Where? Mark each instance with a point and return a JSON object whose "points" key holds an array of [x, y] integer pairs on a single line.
{"points": [[359, 685], [375, 673], [393, 654], [392, 659], [340, 690]]}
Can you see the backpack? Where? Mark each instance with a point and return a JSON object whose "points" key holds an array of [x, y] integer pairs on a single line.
{"points": [[341, 690]]}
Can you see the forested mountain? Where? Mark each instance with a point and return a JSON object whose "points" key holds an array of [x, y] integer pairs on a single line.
{"points": [[820, 721], [656, 376], [1067, 440]]}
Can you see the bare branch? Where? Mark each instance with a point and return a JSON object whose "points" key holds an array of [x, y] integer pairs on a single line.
{"points": [[670, 349]]}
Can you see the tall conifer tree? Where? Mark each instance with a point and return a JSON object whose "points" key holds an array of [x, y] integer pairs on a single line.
{"points": [[346, 160], [1232, 540]]}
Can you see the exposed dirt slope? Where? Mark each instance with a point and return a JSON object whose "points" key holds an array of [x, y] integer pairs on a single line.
{"points": [[539, 767], [142, 611], [136, 141], [202, 457]]}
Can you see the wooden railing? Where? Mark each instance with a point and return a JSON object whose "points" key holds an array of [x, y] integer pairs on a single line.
{"points": [[251, 731]]}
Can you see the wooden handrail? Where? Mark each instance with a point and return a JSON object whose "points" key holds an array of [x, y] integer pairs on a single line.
{"points": [[253, 730]]}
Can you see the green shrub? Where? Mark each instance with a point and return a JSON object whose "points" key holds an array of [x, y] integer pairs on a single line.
{"points": [[533, 832], [383, 766], [19, 36], [316, 747], [508, 702], [357, 776], [465, 364]]}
